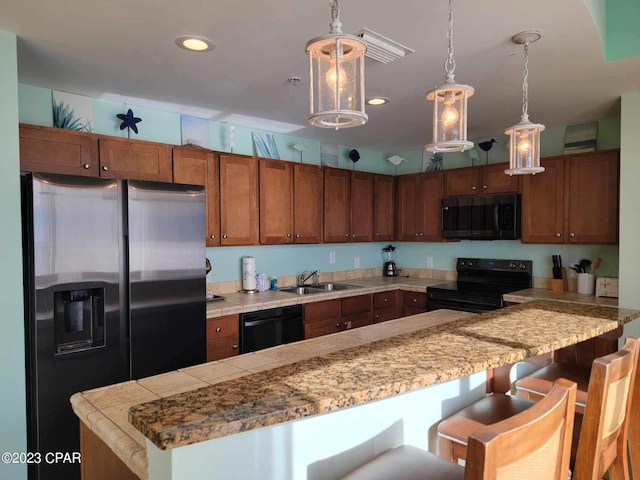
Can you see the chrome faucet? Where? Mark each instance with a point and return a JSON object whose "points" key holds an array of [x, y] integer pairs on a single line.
{"points": [[306, 275]]}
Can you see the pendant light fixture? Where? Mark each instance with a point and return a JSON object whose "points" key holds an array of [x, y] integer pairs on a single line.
{"points": [[450, 106], [524, 137], [336, 70]]}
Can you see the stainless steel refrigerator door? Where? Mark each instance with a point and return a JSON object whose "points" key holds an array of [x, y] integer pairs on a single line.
{"points": [[76, 337], [166, 227]]}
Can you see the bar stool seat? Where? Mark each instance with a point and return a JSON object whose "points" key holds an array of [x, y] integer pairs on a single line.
{"points": [[407, 463], [453, 433]]}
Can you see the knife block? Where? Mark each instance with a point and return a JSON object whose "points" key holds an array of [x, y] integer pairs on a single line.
{"points": [[560, 284]]}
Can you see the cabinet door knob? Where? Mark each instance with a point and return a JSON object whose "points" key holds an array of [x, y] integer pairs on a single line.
{"points": [[212, 235], [288, 235], [337, 325], [417, 234], [557, 234], [218, 329], [105, 168], [235, 347], [86, 166], [377, 316], [386, 299], [225, 236], [415, 300], [484, 186], [297, 236], [346, 235], [474, 188], [422, 234], [353, 236], [572, 234], [377, 234]]}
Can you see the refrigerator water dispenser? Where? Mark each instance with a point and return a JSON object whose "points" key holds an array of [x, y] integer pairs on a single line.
{"points": [[78, 320]]}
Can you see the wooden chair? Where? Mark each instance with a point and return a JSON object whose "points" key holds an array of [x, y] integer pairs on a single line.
{"points": [[573, 362], [603, 438], [454, 432], [534, 444]]}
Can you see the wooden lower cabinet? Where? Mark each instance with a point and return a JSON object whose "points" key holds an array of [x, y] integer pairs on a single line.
{"points": [[413, 302], [98, 460], [222, 337], [322, 318], [357, 311], [385, 306]]}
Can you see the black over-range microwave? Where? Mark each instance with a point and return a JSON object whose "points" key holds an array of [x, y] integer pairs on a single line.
{"points": [[482, 217]]}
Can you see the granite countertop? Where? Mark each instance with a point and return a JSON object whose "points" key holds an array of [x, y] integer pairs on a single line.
{"points": [[530, 294], [372, 371], [235, 303]]}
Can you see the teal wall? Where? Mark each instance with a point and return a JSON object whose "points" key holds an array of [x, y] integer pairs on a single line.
{"points": [[617, 23], [35, 108], [12, 372]]}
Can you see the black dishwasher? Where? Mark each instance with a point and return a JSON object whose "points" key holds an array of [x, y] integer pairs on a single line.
{"points": [[268, 328]]}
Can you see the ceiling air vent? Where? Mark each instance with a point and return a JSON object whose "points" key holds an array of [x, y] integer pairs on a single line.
{"points": [[381, 48]]}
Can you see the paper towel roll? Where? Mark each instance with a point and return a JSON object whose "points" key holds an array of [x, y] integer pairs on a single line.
{"points": [[248, 273]]}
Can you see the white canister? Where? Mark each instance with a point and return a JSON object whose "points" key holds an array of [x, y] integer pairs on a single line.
{"points": [[586, 283], [248, 273]]}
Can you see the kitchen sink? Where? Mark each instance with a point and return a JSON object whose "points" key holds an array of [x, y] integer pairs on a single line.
{"points": [[320, 288]]}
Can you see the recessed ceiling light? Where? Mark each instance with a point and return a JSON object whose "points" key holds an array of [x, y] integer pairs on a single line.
{"points": [[375, 101], [194, 43]]}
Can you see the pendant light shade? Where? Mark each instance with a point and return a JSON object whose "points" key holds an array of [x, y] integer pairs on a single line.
{"points": [[524, 137], [336, 71], [450, 106]]}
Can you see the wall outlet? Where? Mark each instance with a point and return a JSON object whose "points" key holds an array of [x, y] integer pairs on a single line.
{"points": [[332, 257], [356, 262], [429, 262]]}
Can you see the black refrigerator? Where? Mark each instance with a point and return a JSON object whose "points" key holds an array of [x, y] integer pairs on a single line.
{"points": [[114, 276]]}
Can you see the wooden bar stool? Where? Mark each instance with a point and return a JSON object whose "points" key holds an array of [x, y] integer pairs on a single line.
{"points": [[534, 444]]}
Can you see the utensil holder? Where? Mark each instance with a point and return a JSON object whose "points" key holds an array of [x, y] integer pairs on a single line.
{"points": [[586, 283], [560, 285]]}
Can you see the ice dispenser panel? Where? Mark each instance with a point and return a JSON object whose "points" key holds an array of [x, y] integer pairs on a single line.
{"points": [[79, 319]]}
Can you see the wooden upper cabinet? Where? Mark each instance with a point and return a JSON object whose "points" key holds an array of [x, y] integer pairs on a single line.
{"points": [[494, 180], [361, 207], [55, 150], [238, 200], [483, 179], [432, 191], [463, 181], [276, 202], [200, 167], [135, 159], [575, 200], [418, 207], [408, 207], [337, 205], [592, 181], [543, 203], [307, 203], [383, 208]]}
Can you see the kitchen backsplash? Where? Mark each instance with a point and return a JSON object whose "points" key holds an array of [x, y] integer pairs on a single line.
{"points": [[222, 288]]}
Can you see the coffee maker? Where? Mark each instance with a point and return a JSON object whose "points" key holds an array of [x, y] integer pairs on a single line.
{"points": [[389, 268]]}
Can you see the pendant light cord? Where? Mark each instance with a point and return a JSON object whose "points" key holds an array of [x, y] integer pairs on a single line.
{"points": [[336, 25], [525, 83], [450, 63]]}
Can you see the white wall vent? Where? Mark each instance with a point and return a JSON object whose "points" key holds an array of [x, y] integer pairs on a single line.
{"points": [[381, 48]]}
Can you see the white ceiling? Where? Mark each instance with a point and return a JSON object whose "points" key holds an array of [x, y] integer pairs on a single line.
{"points": [[126, 48]]}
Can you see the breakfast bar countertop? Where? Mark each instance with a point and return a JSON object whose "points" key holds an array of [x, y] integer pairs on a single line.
{"points": [[324, 374]]}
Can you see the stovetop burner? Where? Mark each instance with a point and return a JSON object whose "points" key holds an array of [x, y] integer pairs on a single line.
{"points": [[481, 284]]}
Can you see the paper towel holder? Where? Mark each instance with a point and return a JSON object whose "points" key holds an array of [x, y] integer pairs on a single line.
{"points": [[249, 284]]}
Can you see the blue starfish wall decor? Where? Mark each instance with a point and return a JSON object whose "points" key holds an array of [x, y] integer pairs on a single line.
{"points": [[129, 121]]}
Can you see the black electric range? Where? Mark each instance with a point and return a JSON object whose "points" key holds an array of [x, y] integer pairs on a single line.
{"points": [[481, 284]]}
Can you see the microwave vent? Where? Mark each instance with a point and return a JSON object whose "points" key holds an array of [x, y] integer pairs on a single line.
{"points": [[381, 48]]}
